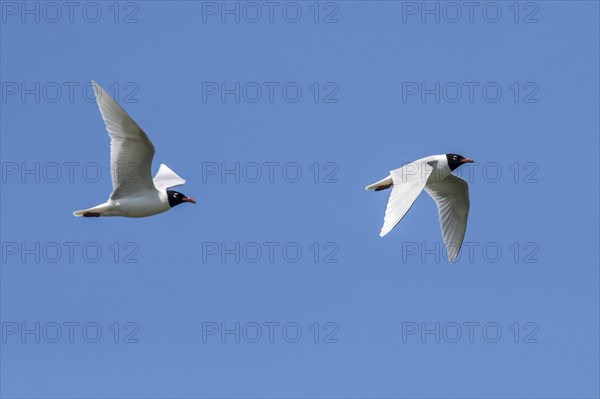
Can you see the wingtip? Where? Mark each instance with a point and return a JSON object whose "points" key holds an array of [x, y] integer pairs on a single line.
{"points": [[452, 257], [97, 90]]}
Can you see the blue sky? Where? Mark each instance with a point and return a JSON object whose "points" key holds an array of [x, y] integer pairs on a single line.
{"points": [[532, 275]]}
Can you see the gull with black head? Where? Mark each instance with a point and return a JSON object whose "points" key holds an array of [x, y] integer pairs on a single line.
{"points": [[135, 193], [450, 193]]}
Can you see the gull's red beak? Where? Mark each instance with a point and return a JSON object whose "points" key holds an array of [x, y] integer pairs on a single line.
{"points": [[467, 160], [189, 199]]}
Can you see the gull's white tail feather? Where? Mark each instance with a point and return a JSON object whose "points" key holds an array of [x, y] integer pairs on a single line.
{"points": [[97, 209], [381, 184]]}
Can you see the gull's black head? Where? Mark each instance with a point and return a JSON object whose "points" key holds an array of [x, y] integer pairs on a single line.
{"points": [[455, 160], [176, 198]]}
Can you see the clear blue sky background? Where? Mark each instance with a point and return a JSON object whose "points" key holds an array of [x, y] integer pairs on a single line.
{"points": [[372, 290]]}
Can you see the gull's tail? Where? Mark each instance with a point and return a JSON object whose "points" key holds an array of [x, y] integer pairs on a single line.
{"points": [[381, 184], [97, 210]]}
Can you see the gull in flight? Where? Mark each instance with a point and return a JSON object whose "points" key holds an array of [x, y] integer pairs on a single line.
{"points": [[135, 193], [450, 193]]}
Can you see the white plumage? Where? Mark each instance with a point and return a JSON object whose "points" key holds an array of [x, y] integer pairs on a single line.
{"points": [[135, 193], [434, 175]]}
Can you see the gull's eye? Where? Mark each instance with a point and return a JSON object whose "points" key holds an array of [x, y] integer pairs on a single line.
{"points": [[455, 157], [175, 195]]}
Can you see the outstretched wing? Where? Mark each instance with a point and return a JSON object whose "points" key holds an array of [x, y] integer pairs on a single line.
{"points": [[409, 181], [452, 198], [166, 178], [131, 151]]}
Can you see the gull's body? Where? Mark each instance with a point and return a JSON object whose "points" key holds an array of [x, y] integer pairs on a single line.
{"points": [[135, 193], [434, 175], [146, 204]]}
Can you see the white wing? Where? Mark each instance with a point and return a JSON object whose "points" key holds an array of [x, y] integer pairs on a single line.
{"points": [[131, 151], [409, 181], [452, 198], [166, 178]]}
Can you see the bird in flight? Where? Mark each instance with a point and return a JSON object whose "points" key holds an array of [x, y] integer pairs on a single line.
{"points": [[135, 193], [450, 193]]}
